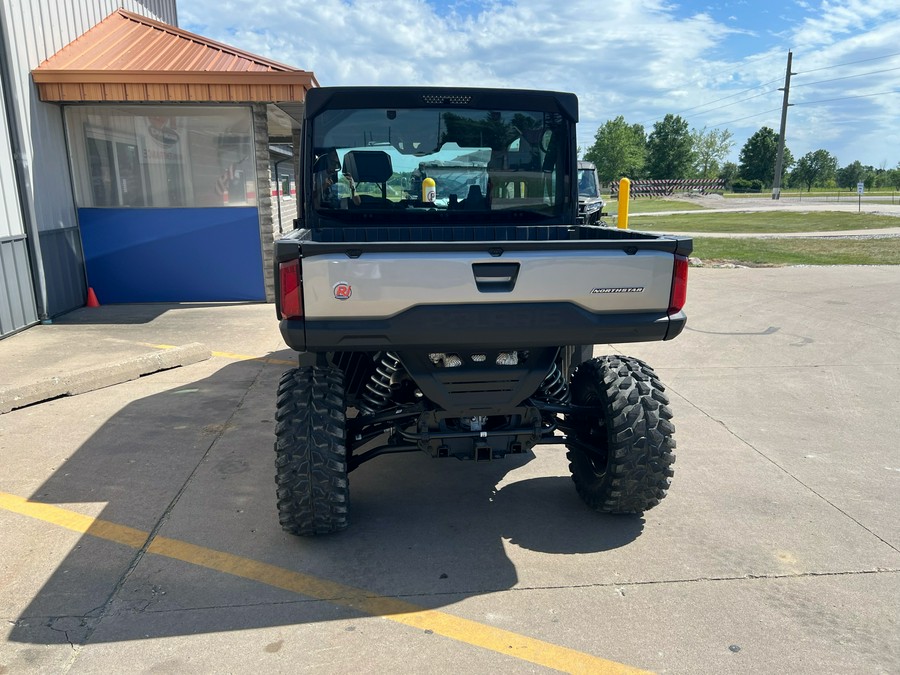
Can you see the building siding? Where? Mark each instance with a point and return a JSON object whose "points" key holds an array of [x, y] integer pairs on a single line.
{"points": [[64, 267], [10, 214], [17, 303], [17, 308]]}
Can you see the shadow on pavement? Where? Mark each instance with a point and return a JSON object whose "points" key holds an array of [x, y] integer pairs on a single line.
{"points": [[195, 464], [132, 313]]}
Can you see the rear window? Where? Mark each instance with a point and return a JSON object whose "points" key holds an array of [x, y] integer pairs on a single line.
{"points": [[407, 164]]}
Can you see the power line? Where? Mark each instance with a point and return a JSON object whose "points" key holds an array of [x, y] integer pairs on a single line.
{"points": [[764, 112], [826, 100], [806, 84], [795, 86], [724, 98], [848, 77], [749, 98], [847, 98], [848, 63]]}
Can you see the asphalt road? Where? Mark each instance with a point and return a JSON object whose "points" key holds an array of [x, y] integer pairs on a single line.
{"points": [[138, 530]]}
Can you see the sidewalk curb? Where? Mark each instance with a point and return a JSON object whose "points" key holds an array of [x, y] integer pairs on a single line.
{"points": [[89, 379]]}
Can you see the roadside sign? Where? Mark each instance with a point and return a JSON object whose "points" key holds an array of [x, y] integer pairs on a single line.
{"points": [[860, 188]]}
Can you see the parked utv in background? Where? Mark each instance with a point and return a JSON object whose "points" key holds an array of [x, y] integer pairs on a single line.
{"points": [[590, 203], [459, 319]]}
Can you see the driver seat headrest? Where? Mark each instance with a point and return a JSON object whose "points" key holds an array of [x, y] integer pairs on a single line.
{"points": [[368, 166]]}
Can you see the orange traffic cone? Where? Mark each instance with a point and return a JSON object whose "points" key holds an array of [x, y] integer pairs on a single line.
{"points": [[92, 298]]}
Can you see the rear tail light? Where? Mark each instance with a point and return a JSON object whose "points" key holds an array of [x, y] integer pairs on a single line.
{"points": [[679, 285], [291, 290]]}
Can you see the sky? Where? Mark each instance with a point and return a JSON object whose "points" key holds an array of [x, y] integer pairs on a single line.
{"points": [[716, 64]]}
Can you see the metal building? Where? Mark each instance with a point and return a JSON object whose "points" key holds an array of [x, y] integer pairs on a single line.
{"points": [[125, 143]]}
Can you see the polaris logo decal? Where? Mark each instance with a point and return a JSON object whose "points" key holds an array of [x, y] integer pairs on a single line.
{"points": [[626, 289], [342, 290]]}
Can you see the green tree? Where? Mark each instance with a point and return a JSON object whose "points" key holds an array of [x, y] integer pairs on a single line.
{"points": [[619, 149], [757, 157], [710, 149], [880, 175], [728, 173], [814, 168], [893, 177], [670, 151], [851, 174]]}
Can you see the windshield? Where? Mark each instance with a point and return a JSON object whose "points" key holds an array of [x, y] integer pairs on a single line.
{"points": [[498, 164], [587, 183]]}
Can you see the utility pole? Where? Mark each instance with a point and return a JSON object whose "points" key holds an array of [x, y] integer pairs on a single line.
{"points": [[779, 153]]}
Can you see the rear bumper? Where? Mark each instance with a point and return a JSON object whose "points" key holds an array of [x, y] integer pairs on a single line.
{"points": [[483, 326]]}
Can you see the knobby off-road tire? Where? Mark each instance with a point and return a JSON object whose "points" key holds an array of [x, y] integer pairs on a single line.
{"points": [[627, 464], [310, 453]]}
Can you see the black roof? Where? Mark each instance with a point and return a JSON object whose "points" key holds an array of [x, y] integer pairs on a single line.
{"points": [[322, 98]]}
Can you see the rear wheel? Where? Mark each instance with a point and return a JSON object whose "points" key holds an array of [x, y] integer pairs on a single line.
{"points": [[621, 454], [310, 453]]}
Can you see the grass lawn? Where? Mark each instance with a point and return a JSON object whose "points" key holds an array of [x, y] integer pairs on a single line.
{"points": [[765, 252], [799, 251], [764, 222]]}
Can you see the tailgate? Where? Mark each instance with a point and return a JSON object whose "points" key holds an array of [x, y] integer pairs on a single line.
{"points": [[435, 296], [380, 285]]}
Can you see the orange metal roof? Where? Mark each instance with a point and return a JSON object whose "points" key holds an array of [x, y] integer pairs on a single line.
{"points": [[128, 57]]}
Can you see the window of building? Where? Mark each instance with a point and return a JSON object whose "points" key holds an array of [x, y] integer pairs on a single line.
{"points": [[162, 156]]}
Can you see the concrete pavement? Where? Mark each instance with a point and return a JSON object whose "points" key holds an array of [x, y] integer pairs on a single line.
{"points": [[138, 530], [92, 348]]}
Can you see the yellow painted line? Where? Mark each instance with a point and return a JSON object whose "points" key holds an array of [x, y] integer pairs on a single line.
{"points": [[78, 522], [462, 630], [230, 355]]}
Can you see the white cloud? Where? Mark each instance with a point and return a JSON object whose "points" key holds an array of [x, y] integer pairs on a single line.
{"points": [[844, 53], [641, 59], [832, 21]]}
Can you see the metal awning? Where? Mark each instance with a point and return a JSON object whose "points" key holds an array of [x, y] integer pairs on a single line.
{"points": [[130, 58]]}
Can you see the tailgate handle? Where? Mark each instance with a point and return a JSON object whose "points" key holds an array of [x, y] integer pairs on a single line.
{"points": [[495, 277]]}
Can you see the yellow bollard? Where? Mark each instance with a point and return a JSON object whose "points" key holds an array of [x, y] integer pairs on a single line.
{"points": [[428, 190], [624, 196]]}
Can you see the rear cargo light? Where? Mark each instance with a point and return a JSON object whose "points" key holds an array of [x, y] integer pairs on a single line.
{"points": [[291, 286], [679, 285]]}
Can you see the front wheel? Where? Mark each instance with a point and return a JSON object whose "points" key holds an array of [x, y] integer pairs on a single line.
{"points": [[621, 453], [310, 453]]}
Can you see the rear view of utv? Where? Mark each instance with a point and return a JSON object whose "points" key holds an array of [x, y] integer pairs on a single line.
{"points": [[443, 298]]}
